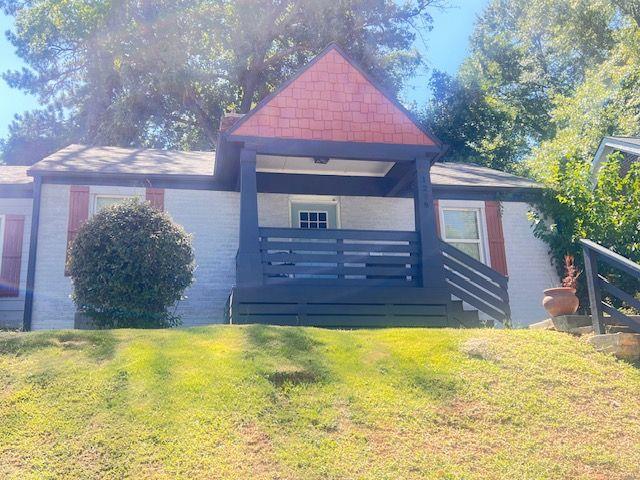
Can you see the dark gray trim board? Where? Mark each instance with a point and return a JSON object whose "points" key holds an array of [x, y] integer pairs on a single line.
{"points": [[20, 190], [33, 249], [383, 152], [297, 184], [503, 194], [178, 182]]}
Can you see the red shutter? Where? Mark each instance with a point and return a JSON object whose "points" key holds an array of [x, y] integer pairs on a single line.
{"points": [[156, 197], [436, 207], [11, 256], [496, 237], [78, 211]]}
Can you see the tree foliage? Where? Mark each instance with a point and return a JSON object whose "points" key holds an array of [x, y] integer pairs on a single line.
{"points": [[605, 210], [161, 73], [526, 58], [129, 264]]}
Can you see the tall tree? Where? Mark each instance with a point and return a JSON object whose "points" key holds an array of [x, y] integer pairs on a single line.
{"points": [[523, 55], [162, 72]]}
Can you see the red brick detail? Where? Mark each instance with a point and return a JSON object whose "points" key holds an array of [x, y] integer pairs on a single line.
{"points": [[333, 101]]}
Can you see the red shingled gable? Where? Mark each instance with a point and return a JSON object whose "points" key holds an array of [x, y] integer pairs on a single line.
{"points": [[332, 101]]}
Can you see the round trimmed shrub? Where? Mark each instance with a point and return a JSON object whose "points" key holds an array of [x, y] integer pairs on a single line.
{"points": [[130, 264]]}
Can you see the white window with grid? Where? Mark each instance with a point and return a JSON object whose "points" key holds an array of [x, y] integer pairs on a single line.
{"points": [[463, 227], [313, 219]]}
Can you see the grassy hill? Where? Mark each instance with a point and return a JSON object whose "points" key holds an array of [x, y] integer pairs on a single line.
{"points": [[301, 403]]}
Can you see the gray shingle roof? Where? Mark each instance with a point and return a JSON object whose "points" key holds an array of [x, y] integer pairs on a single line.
{"points": [[468, 175], [14, 175], [115, 160]]}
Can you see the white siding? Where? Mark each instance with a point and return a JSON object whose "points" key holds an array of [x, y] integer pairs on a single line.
{"points": [[366, 213], [12, 308], [213, 219], [528, 263]]}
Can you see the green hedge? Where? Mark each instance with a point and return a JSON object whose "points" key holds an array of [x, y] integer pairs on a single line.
{"points": [[130, 264]]}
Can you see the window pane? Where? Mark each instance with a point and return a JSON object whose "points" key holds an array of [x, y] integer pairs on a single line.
{"points": [[461, 224], [304, 216], [322, 216], [102, 202], [313, 216], [471, 249], [304, 224]]}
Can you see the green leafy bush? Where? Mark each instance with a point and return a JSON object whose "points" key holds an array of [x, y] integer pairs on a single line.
{"points": [[130, 264], [606, 211]]}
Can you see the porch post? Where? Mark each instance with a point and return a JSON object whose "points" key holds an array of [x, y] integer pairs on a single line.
{"points": [[248, 261], [432, 266]]}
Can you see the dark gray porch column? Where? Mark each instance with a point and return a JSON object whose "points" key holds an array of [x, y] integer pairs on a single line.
{"points": [[249, 261], [432, 263]]}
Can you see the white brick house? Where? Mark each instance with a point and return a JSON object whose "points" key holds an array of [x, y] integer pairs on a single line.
{"points": [[352, 190]]}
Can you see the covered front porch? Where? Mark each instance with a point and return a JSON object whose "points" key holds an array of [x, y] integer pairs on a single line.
{"points": [[298, 266], [331, 131]]}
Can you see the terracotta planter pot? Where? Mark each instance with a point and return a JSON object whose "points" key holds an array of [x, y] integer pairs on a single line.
{"points": [[560, 301]]}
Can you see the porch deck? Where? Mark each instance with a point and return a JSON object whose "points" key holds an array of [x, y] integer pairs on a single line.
{"points": [[363, 278], [339, 278]]}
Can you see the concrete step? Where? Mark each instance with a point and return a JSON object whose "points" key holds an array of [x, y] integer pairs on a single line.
{"points": [[625, 346]]}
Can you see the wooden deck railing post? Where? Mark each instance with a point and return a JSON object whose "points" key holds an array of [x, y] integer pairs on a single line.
{"points": [[249, 260], [595, 296], [432, 271]]}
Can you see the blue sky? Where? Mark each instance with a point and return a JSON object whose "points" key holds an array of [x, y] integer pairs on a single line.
{"points": [[446, 48]]}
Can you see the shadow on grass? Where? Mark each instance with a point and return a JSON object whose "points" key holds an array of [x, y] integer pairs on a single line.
{"points": [[98, 345], [287, 356]]}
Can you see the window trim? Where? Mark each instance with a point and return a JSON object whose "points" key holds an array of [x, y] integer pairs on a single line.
{"points": [[479, 209]]}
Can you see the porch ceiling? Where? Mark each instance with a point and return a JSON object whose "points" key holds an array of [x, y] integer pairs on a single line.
{"points": [[311, 166]]}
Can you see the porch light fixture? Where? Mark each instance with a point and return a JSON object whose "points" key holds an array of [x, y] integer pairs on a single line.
{"points": [[321, 160]]}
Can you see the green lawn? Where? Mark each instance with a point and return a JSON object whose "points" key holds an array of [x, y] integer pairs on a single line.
{"points": [[300, 403]]}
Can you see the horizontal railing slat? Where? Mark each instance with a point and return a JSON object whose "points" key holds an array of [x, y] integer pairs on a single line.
{"points": [[340, 258], [474, 277], [330, 246], [342, 282], [474, 264], [389, 235], [390, 271]]}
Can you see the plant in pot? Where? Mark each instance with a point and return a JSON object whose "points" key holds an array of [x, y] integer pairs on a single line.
{"points": [[563, 300]]}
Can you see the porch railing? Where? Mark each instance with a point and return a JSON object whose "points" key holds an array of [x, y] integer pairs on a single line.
{"points": [[340, 257], [477, 284], [597, 284]]}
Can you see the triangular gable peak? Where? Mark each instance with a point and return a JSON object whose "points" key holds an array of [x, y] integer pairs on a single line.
{"points": [[332, 100]]}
